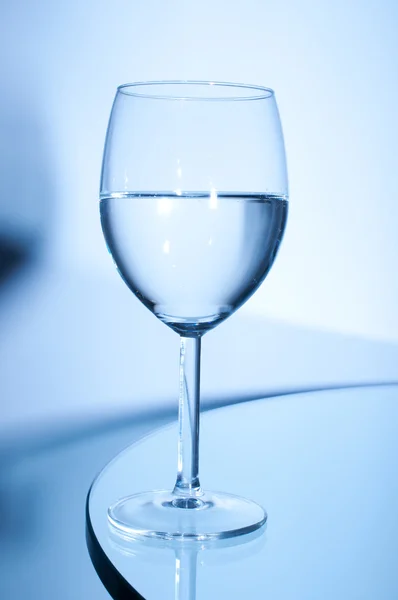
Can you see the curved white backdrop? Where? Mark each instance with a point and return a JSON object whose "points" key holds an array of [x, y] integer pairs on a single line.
{"points": [[334, 68]]}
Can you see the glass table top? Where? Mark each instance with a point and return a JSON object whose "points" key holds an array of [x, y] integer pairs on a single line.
{"points": [[323, 465]]}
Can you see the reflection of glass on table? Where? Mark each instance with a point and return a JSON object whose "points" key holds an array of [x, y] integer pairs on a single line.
{"points": [[188, 555]]}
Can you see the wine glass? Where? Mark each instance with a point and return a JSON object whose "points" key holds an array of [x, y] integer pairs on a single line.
{"points": [[193, 204]]}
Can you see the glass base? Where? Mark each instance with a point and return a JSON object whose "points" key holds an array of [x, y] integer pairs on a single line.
{"points": [[165, 515]]}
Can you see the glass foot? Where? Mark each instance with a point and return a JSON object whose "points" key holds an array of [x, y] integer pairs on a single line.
{"points": [[165, 515]]}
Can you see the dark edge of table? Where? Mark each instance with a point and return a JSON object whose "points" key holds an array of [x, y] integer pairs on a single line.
{"points": [[112, 580]]}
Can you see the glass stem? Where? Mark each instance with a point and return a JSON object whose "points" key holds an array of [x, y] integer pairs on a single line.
{"points": [[187, 485]]}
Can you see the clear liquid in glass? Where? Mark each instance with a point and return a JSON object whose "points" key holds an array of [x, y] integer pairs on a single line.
{"points": [[193, 258]]}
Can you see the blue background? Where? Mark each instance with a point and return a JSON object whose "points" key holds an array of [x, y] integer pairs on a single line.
{"points": [[76, 347]]}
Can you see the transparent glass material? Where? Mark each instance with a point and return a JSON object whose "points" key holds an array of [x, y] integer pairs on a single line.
{"points": [[193, 205]]}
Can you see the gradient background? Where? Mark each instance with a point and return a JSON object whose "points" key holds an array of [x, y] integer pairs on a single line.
{"points": [[76, 347]]}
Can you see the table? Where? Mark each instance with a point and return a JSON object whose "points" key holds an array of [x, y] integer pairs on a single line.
{"points": [[323, 464]]}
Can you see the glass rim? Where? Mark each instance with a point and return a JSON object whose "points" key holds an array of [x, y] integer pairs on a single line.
{"points": [[247, 91]]}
